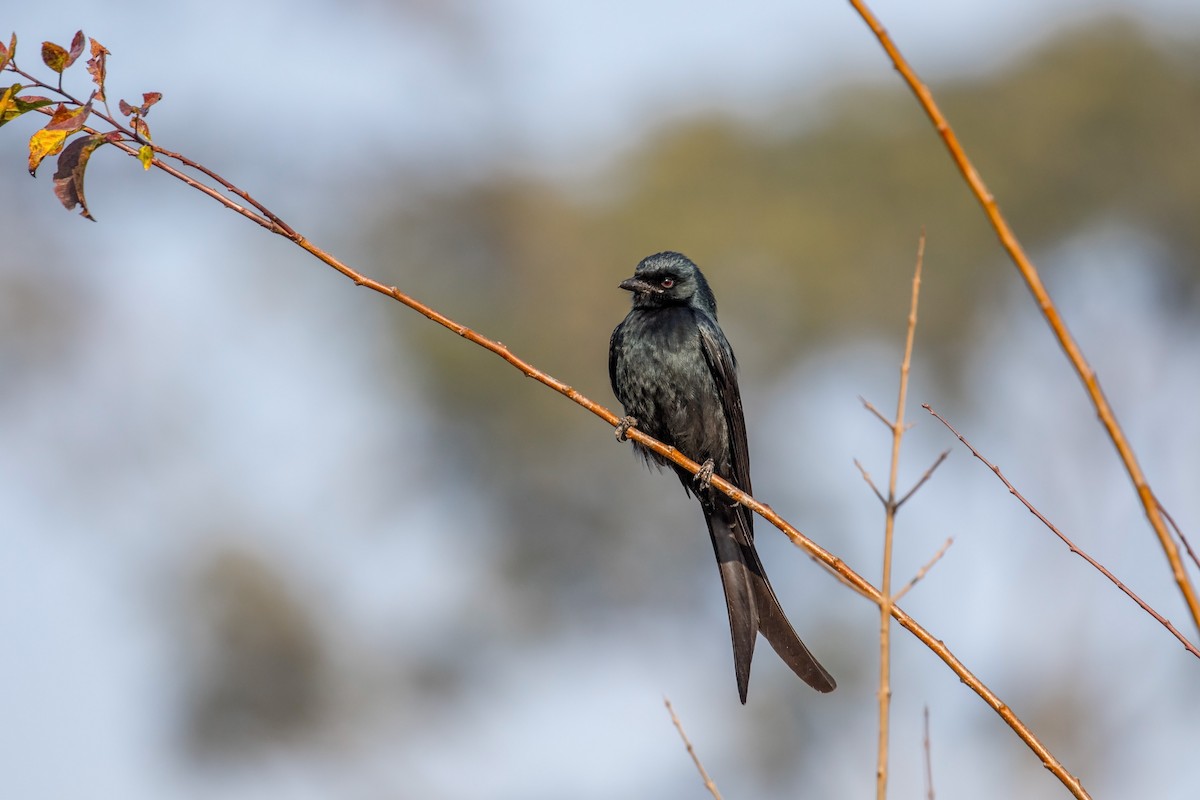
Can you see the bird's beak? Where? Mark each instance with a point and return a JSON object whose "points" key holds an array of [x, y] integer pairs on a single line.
{"points": [[637, 286]]}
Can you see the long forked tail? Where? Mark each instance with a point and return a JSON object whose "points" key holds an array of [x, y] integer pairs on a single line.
{"points": [[752, 604]]}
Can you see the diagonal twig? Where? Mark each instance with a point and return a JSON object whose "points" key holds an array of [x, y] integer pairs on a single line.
{"points": [[1191, 648], [928, 474], [887, 423], [1186, 544], [708, 782], [923, 571], [867, 477]]}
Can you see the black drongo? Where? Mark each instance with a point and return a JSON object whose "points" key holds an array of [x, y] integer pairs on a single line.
{"points": [[674, 372]]}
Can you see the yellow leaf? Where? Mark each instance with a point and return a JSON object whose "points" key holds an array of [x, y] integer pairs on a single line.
{"points": [[44, 143], [6, 99], [145, 155]]}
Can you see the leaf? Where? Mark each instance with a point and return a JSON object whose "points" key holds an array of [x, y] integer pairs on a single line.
{"points": [[22, 104], [145, 155], [125, 108], [141, 128], [29, 102], [42, 144], [149, 99], [76, 49], [69, 119], [68, 178], [6, 101], [7, 54], [54, 56], [96, 67]]}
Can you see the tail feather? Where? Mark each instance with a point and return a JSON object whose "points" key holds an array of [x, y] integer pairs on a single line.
{"points": [[752, 604], [740, 599]]}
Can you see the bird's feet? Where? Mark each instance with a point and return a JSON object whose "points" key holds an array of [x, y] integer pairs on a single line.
{"points": [[705, 475], [622, 430]]}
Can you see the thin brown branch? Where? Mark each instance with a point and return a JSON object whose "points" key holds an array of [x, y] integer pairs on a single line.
{"points": [[847, 575], [887, 423], [928, 474], [708, 782], [928, 759], [867, 477], [1191, 648], [1029, 273], [1183, 539], [889, 528], [923, 571]]}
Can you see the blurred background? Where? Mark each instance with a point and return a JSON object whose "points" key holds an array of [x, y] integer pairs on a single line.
{"points": [[269, 535]]}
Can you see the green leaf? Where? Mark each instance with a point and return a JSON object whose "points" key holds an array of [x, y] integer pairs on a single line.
{"points": [[54, 56], [20, 105], [68, 178]]}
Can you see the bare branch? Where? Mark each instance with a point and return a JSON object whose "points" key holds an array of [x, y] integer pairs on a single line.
{"points": [[1069, 346], [867, 477], [708, 782], [928, 759], [1191, 648], [885, 608], [1186, 544], [928, 474], [887, 423], [923, 571]]}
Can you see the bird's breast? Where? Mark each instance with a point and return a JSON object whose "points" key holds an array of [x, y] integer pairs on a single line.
{"points": [[663, 379]]}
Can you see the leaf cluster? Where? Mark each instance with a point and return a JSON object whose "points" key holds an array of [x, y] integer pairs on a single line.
{"points": [[71, 115]]}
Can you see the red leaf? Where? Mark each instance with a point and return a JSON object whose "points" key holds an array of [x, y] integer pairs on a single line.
{"points": [[96, 67], [76, 49], [54, 56], [68, 178], [149, 99], [9, 53], [69, 120], [141, 128], [125, 108]]}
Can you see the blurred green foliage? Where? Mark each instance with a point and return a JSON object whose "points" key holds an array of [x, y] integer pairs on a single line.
{"points": [[811, 232]]}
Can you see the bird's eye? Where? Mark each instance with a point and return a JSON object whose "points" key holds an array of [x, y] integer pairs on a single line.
{"points": [[667, 283]]}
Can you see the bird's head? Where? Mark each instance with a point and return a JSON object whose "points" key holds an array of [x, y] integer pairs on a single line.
{"points": [[669, 279]]}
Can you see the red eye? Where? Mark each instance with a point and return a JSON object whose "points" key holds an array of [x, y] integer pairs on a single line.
{"points": [[667, 283]]}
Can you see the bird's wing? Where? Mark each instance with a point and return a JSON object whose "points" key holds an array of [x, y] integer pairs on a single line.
{"points": [[723, 367], [614, 342]]}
